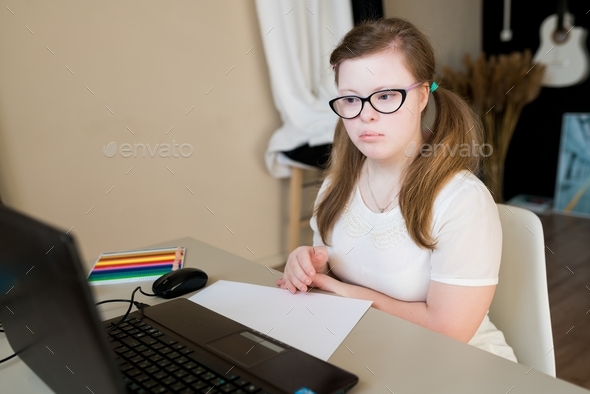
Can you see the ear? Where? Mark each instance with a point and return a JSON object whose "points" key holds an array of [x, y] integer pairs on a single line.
{"points": [[424, 94]]}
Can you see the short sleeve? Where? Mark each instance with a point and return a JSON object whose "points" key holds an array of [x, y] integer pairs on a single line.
{"points": [[466, 225]]}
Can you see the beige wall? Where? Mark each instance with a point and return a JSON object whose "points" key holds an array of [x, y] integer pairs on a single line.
{"points": [[453, 26], [149, 62]]}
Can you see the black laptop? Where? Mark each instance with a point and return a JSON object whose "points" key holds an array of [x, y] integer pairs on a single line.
{"points": [[51, 322]]}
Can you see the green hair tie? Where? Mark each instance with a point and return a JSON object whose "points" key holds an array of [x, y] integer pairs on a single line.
{"points": [[433, 86]]}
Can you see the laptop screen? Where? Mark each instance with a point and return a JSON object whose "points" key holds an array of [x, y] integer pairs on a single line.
{"points": [[47, 309]]}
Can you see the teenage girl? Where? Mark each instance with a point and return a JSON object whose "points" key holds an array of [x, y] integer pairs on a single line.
{"points": [[401, 219]]}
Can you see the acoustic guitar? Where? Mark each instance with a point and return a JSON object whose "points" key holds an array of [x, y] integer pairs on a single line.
{"points": [[563, 50]]}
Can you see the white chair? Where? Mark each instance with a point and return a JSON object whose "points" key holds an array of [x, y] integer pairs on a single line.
{"points": [[520, 308]]}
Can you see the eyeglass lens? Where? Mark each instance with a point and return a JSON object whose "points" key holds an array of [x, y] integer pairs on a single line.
{"points": [[385, 101]]}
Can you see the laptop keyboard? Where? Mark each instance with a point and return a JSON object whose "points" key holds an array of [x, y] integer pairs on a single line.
{"points": [[153, 362]]}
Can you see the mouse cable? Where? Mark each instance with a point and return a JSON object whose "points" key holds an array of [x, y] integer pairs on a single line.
{"points": [[138, 305], [146, 294], [7, 358]]}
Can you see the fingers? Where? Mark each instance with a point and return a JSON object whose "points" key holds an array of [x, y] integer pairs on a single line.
{"points": [[305, 260], [320, 281], [295, 277], [319, 258], [301, 266]]}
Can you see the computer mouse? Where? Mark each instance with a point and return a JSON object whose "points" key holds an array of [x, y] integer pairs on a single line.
{"points": [[179, 282]]}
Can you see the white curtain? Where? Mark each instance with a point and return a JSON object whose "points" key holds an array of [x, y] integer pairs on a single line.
{"points": [[298, 37]]}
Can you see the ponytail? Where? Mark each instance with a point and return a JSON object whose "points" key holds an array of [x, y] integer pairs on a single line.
{"points": [[456, 127]]}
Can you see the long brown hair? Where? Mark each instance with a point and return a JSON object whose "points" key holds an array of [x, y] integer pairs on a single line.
{"points": [[455, 124]]}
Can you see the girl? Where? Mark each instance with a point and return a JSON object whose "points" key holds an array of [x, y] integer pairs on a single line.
{"points": [[401, 219]]}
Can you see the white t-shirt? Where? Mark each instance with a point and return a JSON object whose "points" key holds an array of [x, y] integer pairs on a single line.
{"points": [[375, 250]]}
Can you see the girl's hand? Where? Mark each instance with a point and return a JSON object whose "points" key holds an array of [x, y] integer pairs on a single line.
{"points": [[328, 283], [302, 265]]}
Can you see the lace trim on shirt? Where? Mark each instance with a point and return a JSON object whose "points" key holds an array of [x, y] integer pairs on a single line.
{"points": [[383, 236]]}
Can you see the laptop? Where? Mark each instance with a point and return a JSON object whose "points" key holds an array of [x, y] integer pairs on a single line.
{"points": [[51, 322]]}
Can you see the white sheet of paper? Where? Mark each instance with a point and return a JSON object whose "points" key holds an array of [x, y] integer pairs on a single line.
{"points": [[314, 323]]}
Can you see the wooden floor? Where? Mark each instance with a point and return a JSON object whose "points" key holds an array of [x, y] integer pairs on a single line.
{"points": [[567, 253]]}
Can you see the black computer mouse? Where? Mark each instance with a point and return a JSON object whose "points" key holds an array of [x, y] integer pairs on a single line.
{"points": [[179, 282]]}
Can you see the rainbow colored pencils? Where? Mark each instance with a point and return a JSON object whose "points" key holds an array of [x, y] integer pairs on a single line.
{"points": [[136, 265]]}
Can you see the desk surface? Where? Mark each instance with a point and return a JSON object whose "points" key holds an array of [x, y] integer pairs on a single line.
{"points": [[388, 354]]}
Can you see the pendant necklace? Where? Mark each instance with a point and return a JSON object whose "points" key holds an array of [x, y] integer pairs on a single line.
{"points": [[381, 210]]}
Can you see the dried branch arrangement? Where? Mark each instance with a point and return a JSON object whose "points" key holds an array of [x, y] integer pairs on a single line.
{"points": [[498, 88]]}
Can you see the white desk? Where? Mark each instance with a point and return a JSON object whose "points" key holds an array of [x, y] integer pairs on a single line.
{"points": [[387, 353]]}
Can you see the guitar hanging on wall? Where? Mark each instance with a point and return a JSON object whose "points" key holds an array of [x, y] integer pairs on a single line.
{"points": [[506, 33], [563, 50]]}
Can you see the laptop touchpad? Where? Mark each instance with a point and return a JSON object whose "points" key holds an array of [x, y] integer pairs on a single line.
{"points": [[246, 348]]}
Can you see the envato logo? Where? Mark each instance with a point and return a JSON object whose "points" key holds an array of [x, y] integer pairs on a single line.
{"points": [[163, 150], [461, 150]]}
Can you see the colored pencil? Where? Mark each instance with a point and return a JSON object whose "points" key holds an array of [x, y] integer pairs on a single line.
{"points": [[136, 265]]}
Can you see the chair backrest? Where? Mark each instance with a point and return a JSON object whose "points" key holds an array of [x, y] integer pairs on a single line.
{"points": [[520, 308]]}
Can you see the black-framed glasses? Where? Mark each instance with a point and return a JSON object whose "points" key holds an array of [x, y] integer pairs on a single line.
{"points": [[386, 101]]}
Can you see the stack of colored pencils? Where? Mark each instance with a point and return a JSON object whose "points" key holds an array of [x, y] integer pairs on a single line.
{"points": [[136, 265]]}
